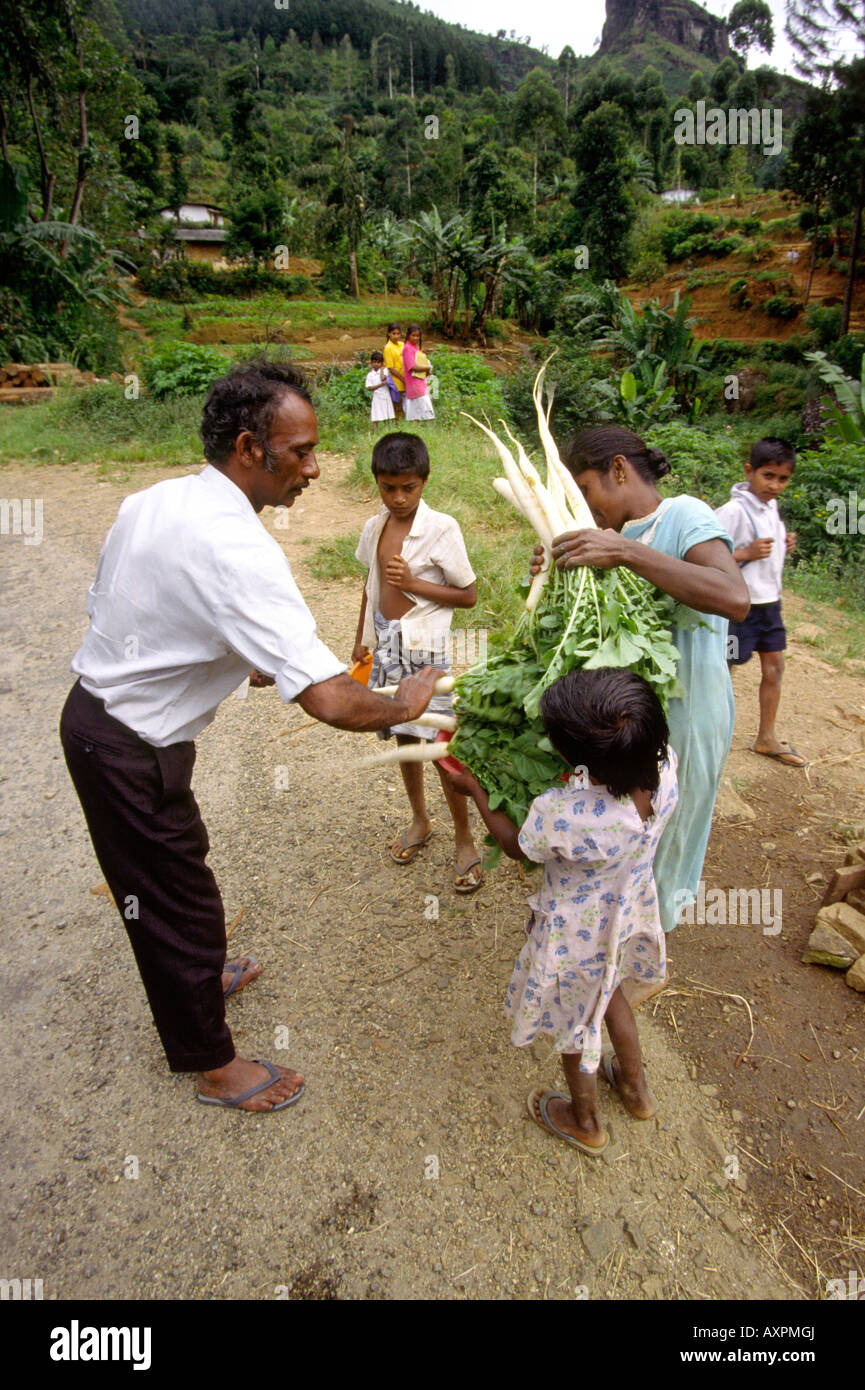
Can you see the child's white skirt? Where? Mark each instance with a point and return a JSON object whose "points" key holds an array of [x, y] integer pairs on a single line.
{"points": [[382, 406], [420, 408]]}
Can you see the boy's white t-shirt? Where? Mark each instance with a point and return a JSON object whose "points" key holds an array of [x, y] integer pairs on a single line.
{"points": [[746, 519], [434, 551]]}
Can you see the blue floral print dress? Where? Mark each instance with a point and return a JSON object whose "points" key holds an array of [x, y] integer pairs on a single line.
{"points": [[595, 919]]}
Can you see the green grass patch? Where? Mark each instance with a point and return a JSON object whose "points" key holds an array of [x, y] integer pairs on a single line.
{"points": [[335, 559], [97, 424]]}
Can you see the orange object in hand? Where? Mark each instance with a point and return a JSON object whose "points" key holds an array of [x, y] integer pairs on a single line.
{"points": [[360, 671]]}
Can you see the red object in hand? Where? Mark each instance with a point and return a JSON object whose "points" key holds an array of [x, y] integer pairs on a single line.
{"points": [[449, 764]]}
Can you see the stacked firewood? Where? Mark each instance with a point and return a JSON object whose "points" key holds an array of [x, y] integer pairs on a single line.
{"points": [[838, 938], [31, 374]]}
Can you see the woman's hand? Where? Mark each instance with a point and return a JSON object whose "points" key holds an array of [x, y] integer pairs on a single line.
{"points": [[359, 652], [792, 538], [258, 681], [600, 549]]}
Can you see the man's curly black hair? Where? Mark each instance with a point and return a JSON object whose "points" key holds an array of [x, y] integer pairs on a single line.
{"points": [[247, 399]]}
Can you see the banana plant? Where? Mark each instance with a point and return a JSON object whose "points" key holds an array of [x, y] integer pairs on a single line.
{"points": [[847, 412]]}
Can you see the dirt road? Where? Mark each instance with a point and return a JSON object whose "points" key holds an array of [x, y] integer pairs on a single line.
{"points": [[410, 1169]]}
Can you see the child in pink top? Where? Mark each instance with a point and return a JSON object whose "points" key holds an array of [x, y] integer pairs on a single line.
{"points": [[418, 405]]}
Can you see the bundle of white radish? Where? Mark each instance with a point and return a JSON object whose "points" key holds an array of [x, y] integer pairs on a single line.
{"points": [[573, 619]]}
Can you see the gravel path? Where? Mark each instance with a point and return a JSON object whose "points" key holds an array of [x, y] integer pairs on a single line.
{"points": [[410, 1169]]}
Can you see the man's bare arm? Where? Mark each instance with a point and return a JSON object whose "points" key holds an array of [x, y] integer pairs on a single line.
{"points": [[345, 704]]}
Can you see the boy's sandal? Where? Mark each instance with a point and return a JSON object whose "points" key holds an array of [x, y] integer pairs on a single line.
{"points": [[787, 754], [410, 848], [466, 881], [607, 1059], [236, 1102], [537, 1104]]}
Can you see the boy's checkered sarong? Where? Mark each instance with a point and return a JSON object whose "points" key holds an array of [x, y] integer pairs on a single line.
{"points": [[392, 660]]}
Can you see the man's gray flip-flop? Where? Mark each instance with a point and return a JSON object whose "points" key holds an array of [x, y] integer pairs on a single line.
{"points": [[236, 1102], [238, 970]]}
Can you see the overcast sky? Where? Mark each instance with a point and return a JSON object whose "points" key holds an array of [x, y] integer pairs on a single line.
{"points": [[557, 22]]}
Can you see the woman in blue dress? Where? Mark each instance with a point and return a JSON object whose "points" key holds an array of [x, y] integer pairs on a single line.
{"points": [[679, 546]]}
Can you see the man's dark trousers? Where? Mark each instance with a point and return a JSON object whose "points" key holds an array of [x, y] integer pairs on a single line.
{"points": [[151, 844]]}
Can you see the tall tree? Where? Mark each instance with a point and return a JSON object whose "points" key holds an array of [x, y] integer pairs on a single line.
{"points": [[539, 114], [178, 184], [817, 29], [813, 168], [851, 91], [604, 212], [749, 25], [345, 204], [567, 75]]}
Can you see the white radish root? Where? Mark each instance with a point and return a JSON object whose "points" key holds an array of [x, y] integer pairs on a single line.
{"points": [[539, 581], [443, 686], [555, 468], [406, 753], [437, 721], [504, 489], [526, 500]]}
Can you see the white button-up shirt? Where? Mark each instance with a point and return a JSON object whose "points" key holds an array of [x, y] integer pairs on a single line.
{"points": [[747, 519], [191, 593], [434, 551]]}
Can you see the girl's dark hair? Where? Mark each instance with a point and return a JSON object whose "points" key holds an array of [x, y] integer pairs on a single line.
{"points": [[247, 399], [400, 452], [392, 326], [376, 357], [611, 722], [598, 446]]}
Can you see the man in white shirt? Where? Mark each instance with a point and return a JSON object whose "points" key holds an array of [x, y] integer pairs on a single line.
{"points": [[191, 593]]}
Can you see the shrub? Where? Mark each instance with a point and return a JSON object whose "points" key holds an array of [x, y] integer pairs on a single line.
{"points": [[682, 227], [574, 403], [761, 250], [847, 352], [752, 226], [824, 322], [495, 330], [775, 426], [705, 463], [341, 397], [467, 382], [650, 265], [783, 389], [782, 307], [738, 292], [183, 280], [183, 369], [834, 471], [244, 282], [705, 245]]}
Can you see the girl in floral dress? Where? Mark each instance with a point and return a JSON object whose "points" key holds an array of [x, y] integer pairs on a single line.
{"points": [[595, 919]]}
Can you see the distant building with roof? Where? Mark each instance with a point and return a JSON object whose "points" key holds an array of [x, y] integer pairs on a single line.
{"points": [[680, 195], [201, 228]]}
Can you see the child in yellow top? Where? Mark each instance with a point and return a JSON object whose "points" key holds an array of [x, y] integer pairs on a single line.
{"points": [[393, 361]]}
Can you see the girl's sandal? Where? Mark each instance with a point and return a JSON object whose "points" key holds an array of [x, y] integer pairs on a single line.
{"points": [[607, 1068], [537, 1105], [467, 882]]}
